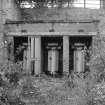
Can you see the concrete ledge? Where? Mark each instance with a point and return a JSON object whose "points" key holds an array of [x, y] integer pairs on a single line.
{"points": [[51, 33]]}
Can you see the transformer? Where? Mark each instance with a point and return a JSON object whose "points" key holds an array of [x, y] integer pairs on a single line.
{"points": [[53, 58], [79, 57]]}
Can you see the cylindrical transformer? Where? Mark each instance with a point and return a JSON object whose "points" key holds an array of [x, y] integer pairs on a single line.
{"points": [[53, 56], [79, 59]]}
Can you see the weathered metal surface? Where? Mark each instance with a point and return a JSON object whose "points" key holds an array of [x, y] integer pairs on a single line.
{"points": [[53, 56], [79, 60]]}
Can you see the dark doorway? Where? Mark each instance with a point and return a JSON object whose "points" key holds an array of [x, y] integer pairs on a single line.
{"points": [[20, 43], [87, 41], [49, 43]]}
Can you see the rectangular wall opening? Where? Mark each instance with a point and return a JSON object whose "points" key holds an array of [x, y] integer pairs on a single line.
{"points": [[20, 44], [52, 55], [79, 53]]}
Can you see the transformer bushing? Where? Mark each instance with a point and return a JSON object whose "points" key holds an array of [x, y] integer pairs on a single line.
{"points": [[53, 58], [79, 57]]}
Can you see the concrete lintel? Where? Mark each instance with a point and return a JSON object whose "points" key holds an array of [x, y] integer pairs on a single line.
{"points": [[51, 33], [52, 21]]}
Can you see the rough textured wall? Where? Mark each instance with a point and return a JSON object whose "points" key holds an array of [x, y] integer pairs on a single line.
{"points": [[11, 10], [67, 14], [74, 14], [59, 14], [8, 11], [11, 13], [73, 28]]}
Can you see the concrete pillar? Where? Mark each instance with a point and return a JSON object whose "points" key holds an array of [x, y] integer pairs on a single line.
{"points": [[93, 45], [1, 34], [32, 47], [32, 55], [37, 55], [66, 54], [2, 53]]}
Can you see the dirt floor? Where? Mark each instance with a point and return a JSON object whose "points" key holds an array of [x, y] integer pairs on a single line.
{"points": [[46, 90]]}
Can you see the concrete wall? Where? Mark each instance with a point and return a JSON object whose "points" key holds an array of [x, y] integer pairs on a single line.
{"points": [[46, 27], [68, 15], [8, 11], [11, 10], [61, 14], [74, 14]]}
